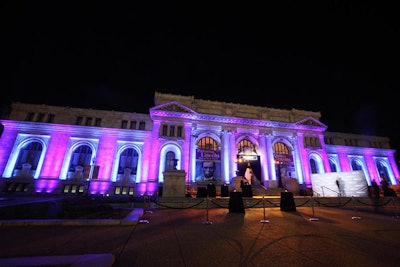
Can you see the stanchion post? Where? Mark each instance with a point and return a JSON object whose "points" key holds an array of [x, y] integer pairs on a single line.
{"points": [[264, 220], [356, 217], [396, 212], [313, 218], [207, 221], [148, 210]]}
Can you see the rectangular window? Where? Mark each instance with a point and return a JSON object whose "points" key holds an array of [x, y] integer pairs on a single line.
{"points": [[50, 118], [81, 189], [133, 125], [164, 130], [117, 190], [88, 121], [131, 191], [40, 117], [74, 188], [172, 130], [97, 122], [124, 190], [66, 188], [179, 131], [30, 116], [124, 124], [142, 125], [79, 120]]}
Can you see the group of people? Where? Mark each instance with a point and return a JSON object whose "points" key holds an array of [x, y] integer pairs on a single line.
{"points": [[387, 191]]}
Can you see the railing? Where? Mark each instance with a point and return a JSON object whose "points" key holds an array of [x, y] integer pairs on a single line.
{"points": [[329, 189]]}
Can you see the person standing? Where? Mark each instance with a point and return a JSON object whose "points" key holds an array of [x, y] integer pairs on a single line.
{"points": [[375, 187]]}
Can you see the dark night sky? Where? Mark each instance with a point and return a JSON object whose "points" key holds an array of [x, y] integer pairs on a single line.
{"points": [[337, 57]]}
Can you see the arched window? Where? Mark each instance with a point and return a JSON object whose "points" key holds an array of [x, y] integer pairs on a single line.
{"points": [[333, 165], [246, 147], [382, 170], [283, 161], [313, 166], [80, 157], [128, 160], [170, 161], [29, 154], [281, 148], [207, 143], [355, 165], [28, 159]]}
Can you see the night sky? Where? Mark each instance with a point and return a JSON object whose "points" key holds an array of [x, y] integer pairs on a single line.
{"points": [[337, 57]]}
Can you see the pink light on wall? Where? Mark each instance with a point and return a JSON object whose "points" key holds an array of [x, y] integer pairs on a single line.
{"points": [[186, 152], [151, 153], [344, 160], [55, 153], [152, 188], [106, 158], [46, 185], [307, 173], [142, 188], [394, 167], [6, 143], [371, 166], [99, 187]]}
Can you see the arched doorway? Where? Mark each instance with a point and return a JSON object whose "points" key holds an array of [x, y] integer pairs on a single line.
{"points": [[247, 157], [283, 161]]}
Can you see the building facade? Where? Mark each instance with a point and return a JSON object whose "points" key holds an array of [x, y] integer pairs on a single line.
{"points": [[61, 149]]}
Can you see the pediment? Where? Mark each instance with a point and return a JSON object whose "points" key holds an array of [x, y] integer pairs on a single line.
{"points": [[311, 122], [173, 106]]}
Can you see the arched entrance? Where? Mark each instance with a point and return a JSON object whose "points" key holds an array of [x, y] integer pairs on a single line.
{"points": [[247, 157], [283, 160]]}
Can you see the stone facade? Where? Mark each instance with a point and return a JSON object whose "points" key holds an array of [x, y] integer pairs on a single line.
{"points": [[179, 133]]}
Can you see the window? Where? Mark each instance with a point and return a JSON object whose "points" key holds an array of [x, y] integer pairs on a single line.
{"points": [[88, 121], [78, 120], [142, 125], [97, 122], [383, 172], [333, 166], [124, 124], [179, 131], [128, 159], [312, 141], [81, 156], [281, 148], [133, 125], [50, 118], [30, 116], [170, 161], [207, 143], [313, 166], [246, 147], [355, 165], [164, 130], [29, 154], [172, 130], [40, 117]]}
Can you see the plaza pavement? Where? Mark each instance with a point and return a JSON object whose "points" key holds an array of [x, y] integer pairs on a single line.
{"points": [[320, 236]]}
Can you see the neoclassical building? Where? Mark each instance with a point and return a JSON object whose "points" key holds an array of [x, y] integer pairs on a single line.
{"points": [[69, 149]]}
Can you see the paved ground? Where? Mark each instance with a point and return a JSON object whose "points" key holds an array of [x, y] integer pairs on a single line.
{"points": [[214, 237]]}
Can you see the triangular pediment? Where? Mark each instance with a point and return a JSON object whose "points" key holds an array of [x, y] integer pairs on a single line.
{"points": [[173, 106], [311, 122]]}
